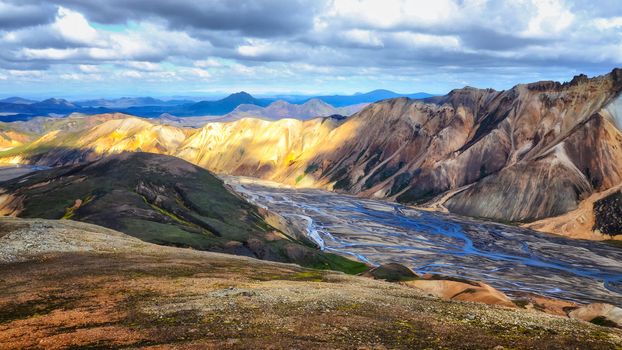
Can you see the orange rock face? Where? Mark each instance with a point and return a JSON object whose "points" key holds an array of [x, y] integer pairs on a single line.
{"points": [[454, 290]]}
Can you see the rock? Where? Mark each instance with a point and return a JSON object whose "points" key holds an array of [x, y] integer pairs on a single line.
{"points": [[599, 313], [544, 304], [608, 214], [464, 291], [391, 272]]}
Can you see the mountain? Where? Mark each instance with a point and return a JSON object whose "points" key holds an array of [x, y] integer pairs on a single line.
{"points": [[18, 100], [127, 102], [202, 108], [54, 105], [531, 153], [163, 200], [368, 97], [281, 109], [223, 106], [15, 109], [51, 107]]}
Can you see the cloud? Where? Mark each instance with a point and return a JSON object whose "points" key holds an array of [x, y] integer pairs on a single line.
{"points": [[15, 16], [310, 43], [257, 18]]}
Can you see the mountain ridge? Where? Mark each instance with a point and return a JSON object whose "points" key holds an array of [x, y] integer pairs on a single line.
{"points": [[475, 152]]}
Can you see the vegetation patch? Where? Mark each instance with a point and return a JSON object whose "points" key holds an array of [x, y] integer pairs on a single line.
{"points": [[32, 308], [603, 321]]}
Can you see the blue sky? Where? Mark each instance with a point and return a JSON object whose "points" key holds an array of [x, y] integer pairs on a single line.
{"points": [[85, 48]]}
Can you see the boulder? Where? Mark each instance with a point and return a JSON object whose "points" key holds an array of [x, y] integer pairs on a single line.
{"points": [[463, 291], [599, 313]]}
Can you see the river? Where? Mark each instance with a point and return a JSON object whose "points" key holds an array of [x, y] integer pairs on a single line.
{"points": [[510, 258]]}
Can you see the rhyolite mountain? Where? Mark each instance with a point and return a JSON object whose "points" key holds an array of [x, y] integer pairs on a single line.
{"points": [[526, 154], [163, 200]]}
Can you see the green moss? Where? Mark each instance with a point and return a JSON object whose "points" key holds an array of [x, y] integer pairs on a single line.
{"points": [[328, 261]]}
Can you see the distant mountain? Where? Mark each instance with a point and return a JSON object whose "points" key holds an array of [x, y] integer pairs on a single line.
{"points": [[202, 108], [368, 97], [225, 105], [282, 109], [301, 107], [127, 102], [18, 100], [56, 104]]}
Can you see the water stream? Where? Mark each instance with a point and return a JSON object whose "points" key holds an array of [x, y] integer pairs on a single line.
{"points": [[510, 258]]}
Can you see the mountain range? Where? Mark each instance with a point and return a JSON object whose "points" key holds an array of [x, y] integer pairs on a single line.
{"points": [[282, 109], [526, 155], [17, 108], [368, 97]]}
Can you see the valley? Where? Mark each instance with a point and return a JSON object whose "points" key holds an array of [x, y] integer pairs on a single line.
{"points": [[529, 155], [310, 174]]}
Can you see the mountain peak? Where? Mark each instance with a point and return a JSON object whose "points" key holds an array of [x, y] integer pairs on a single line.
{"points": [[241, 94], [56, 101], [316, 102], [18, 100]]}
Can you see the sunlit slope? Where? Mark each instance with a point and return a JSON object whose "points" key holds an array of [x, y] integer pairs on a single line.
{"points": [[94, 137], [278, 150]]}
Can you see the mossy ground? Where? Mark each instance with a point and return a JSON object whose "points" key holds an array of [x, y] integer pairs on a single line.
{"points": [[187, 300]]}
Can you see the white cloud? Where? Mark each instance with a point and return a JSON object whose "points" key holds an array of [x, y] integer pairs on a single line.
{"points": [[418, 40], [395, 13], [88, 68], [208, 63], [143, 66], [50, 54], [363, 37], [550, 17], [365, 40], [131, 74], [200, 73], [608, 23], [253, 49], [74, 27]]}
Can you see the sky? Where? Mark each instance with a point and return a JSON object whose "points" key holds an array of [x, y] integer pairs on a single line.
{"points": [[165, 48]]}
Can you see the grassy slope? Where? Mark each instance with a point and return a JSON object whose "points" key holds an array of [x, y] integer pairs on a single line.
{"points": [[164, 200]]}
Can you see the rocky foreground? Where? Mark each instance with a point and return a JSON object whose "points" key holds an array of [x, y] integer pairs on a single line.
{"points": [[66, 284]]}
